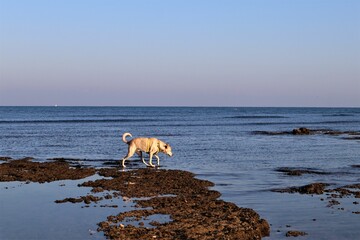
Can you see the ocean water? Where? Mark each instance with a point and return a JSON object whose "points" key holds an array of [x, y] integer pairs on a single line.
{"points": [[217, 144]]}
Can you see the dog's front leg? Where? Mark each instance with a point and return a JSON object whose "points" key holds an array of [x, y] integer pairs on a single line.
{"points": [[158, 159], [140, 153], [150, 159]]}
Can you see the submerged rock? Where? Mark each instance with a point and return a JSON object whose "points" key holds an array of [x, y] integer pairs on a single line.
{"points": [[86, 199], [295, 234], [301, 131], [351, 135], [299, 171], [313, 188]]}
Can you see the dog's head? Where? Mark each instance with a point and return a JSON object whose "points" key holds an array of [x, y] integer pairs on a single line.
{"points": [[167, 150]]}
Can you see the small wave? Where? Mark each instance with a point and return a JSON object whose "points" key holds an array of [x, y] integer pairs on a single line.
{"points": [[11, 136], [169, 135], [66, 159], [257, 117], [79, 121], [104, 115], [337, 122], [55, 145], [339, 115], [300, 123]]}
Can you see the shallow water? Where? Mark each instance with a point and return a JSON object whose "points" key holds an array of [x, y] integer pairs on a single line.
{"points": [[28, 211], [218, 144]]}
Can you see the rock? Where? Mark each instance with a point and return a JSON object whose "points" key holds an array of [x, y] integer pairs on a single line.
{"points": [[295, 234], [26, 170], [72, 200], [86, 199], [313, 188], [299, 171], [195, 211], [348, 135], [301, 131], [333, 203]]}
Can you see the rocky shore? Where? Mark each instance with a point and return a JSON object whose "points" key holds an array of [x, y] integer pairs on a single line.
{"points": [[27, 170], [328, 191], [194, 211], [347, 135]]}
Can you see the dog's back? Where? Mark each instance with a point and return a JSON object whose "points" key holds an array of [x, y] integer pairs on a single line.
{"points": [[140, 142]]}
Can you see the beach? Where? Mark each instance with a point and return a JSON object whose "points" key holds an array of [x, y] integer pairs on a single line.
{"points": [[295, 168], [151, 203], [194, 211]]}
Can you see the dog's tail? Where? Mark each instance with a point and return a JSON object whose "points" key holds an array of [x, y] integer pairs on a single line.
{"points": [[124, 137]]}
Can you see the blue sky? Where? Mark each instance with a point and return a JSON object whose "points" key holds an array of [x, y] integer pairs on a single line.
{"points": [[180, 53]]}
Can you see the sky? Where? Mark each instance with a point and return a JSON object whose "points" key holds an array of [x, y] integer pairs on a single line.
{"points": [[285, 53]]}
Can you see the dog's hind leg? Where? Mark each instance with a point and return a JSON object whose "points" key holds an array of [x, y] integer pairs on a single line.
{"points": [[124, 159], [131, 152]]}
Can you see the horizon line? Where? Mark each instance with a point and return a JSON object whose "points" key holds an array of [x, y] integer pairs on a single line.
{"points": [[179, 106]]}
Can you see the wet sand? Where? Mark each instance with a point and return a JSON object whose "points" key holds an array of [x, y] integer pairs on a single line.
{"points": [[194, 211]]}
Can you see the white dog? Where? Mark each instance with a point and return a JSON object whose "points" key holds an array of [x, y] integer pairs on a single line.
{"points": [[149, 145]]}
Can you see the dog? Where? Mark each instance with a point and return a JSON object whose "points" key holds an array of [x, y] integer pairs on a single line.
{"points": [[148, 145]]}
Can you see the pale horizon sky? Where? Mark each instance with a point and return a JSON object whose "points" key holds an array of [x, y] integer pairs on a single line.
{"points": [[298, 53]]}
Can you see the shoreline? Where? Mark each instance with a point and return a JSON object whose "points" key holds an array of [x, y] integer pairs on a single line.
{"points": [[191, 210]]}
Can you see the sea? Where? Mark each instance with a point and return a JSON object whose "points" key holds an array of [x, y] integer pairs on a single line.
{"points": [[220, 144]]}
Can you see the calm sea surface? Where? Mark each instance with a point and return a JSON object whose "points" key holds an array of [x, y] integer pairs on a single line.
{"points": [[217, 144]]}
